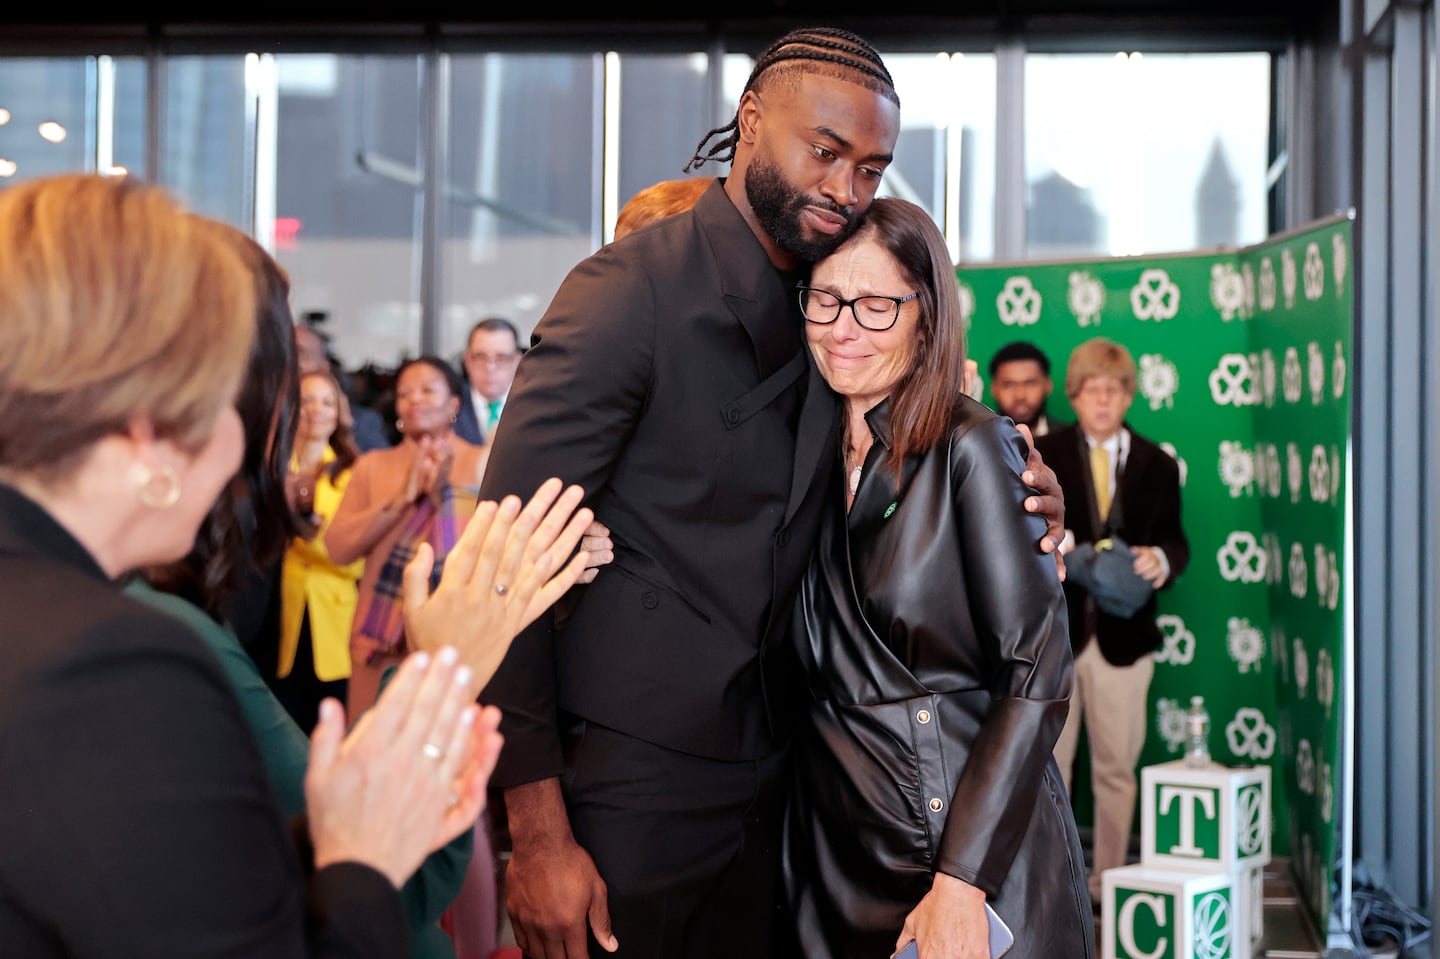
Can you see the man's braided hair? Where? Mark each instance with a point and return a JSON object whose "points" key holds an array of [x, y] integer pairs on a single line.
{"points": [[818, 50]]}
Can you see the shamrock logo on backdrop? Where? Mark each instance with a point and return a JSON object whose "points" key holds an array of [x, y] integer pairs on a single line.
{"points": [[1302, 666], [1247, 276], [1314, 272], [1178, 643], [1267, 376], [1299, 572], [1232, 381], [1267, 464], [1254, 391], [1249, 735], [1227, 290], [1294, 470], [1237, 468], [1158, 380], [1290, 376], [967, 304], [1086, 298], [1019, 303], [1325, 783], [1317, 373], [1341, 261], [1267, 285], [1334, 474], [1246, 643], [1327, 577], [1287, 277], [1155, 296], [1274, 561], [1319, 474], [1170, 723], [1305, 768], [1325, 680], [1174, 454], [1337, 370], [1241, 558]]}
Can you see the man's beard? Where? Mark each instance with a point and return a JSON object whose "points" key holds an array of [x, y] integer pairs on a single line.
{"points": [[778, 206]]}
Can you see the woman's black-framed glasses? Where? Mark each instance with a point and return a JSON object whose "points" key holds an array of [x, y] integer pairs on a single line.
{"points": [[875, 313]]}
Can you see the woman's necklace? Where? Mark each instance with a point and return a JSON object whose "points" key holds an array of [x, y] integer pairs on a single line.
{"points": [[855, 479]]}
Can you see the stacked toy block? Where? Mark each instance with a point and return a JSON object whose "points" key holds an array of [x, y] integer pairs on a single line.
{"points": [[1197, 892]]}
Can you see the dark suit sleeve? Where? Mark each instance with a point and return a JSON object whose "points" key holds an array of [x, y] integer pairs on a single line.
{"points": [[578, 392], [1019, 617], [139, 820]]}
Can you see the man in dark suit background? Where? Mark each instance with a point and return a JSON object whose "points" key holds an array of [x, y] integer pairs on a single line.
{"points": [[1020, 383], [644, 766], [492, 353], [1119, 483]]}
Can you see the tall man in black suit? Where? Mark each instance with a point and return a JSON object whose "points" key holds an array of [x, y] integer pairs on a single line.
{"points": [[1120, 483], [669, 377]]}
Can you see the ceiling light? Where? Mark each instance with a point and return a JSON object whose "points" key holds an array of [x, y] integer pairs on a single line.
{"points": [[53, 131]]}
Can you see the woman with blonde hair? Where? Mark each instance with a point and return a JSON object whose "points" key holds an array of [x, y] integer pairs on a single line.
{"points": [[139, 818]]}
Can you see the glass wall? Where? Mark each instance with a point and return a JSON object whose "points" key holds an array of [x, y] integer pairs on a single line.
{"points": [[345, 197], [521, 199], [326, 158], [1145, 153]]}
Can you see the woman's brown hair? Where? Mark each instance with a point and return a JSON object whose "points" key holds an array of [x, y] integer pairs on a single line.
{"points": [[342, 440], [924, 398]]}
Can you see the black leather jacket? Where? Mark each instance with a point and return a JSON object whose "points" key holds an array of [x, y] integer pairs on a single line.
{"points": [[934, 640]]}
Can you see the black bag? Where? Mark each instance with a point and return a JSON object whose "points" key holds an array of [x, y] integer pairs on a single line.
{"points": [[1107, 570]]}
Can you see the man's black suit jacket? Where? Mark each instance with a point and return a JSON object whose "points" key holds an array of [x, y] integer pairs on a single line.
{"points": [[670, 379], [1147, 509]]}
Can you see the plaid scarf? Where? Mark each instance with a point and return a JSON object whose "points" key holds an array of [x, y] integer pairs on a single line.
{"points": [[381, 612]]}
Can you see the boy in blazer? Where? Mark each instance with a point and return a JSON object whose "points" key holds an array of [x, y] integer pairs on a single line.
{"points": [[1118, 482]]}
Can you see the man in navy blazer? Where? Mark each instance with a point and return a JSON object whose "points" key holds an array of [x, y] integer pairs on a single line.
{"points": [[1119, 483]]}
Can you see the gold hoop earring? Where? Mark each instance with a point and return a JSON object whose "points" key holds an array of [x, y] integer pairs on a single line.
{"points": [[157, 496]]}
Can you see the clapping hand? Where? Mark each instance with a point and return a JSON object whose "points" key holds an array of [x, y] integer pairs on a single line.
{"points": [[507, 568], [411, 775]]}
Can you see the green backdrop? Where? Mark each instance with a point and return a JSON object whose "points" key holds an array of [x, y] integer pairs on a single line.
{"points": [[1242, 363]]}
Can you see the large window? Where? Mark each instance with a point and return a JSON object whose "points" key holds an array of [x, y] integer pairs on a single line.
{"points": [[328, 159], [346, 194], [521, 205], [69, 114], [1141, 153]]}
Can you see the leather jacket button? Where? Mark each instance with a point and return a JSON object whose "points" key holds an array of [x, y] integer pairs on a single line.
{"points": [[649, 600], [783, 537], [732, 416], [936, 805], [922, 717]]}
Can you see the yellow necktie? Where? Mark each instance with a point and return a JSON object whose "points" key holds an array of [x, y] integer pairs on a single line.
{"points": [[1100, 475]]}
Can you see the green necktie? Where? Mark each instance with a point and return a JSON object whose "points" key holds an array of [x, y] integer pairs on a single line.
{"points": [[494, 415]]}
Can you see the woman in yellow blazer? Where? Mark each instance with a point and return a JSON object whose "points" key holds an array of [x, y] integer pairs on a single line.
{"points": [[317, 596]]}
